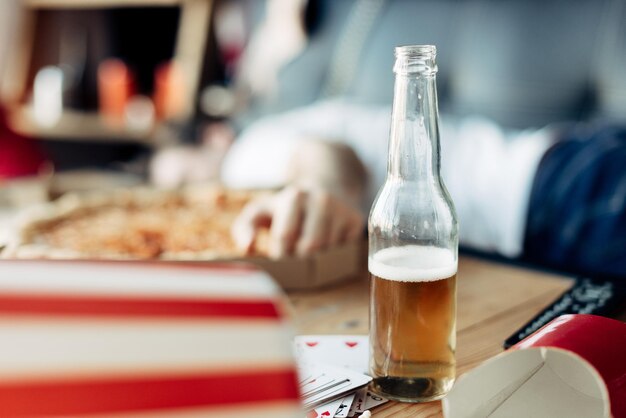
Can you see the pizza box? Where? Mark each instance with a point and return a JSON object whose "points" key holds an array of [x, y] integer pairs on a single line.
{"points": [[143, 339], [573, 367], [321, 269]]}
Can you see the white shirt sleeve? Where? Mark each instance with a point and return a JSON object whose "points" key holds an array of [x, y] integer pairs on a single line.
{"points": [[260, 156]]}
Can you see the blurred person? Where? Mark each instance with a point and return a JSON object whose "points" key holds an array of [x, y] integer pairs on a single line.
{"points": [[176, 166], [19, 156], [530, 175], [555, 196]]}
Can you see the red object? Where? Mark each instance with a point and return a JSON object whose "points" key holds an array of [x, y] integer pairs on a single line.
{"points": [[600, 341], [19, 156], [126, 308], [138, 339], [62, 397]]}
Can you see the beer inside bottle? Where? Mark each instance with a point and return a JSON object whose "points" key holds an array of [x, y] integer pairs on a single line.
{"points": [[413, 247], [413, 334]]}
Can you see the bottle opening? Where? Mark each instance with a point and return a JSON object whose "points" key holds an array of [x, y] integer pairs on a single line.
{"points": [[415, 59], [416, 51]]}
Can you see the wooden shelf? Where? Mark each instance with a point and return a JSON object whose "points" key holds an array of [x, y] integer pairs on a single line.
{"points": [[78, 126], [194, 20]]}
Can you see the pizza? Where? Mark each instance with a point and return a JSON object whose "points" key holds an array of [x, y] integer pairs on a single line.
{"points": [[135, 223]]}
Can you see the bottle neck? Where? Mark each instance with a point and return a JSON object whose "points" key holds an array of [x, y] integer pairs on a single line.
{"points": [[414, 138]]}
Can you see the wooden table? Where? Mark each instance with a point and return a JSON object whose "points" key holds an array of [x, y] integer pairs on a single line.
{"points": [[494, 300]]}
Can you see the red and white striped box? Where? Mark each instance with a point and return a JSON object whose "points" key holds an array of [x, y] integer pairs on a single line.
{"points": [[143, 340]]}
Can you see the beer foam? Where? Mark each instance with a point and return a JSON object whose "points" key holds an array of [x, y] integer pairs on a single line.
{"points": [[413, 263]]}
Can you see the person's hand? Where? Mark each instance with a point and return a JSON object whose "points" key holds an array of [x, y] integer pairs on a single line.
{"points": [[300, 221]]}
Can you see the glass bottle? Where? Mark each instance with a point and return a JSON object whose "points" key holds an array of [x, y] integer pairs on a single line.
{"points": [[413, 246]]}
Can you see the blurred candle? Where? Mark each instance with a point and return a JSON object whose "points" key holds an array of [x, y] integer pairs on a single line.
{"points": [[169, 93], [115, 87], [48, 96]]}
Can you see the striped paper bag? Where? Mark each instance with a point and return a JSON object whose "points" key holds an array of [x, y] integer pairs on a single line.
{"points": [[143, 340]]}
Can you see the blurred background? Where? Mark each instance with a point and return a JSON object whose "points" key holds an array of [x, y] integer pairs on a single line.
{"points": [[92, 90]]}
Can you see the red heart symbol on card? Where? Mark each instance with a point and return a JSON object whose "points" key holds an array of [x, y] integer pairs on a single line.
{"points": [[351, 343], [326, 414], [311, 343]]}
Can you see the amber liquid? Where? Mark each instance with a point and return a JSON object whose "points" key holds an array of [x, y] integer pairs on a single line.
{"points": [[412, 338]]}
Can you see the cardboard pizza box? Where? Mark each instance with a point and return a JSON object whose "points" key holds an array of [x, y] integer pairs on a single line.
{"points": [[574, 367], [324, 268], [143, 339]]}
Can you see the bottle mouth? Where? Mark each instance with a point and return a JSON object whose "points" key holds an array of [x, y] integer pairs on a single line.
{"points": [[415, 59], [416, 51]]}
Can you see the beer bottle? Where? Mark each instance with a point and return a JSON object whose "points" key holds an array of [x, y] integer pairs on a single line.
{"points": [[413, 246]]}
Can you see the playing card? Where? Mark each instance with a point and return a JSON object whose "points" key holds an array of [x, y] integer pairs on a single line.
{"points": [[344, 407], [359, 402], [372, 400], [321, 384], [327, 410], [334, 393], [365, 400], [350, 351], [316, 383]]}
